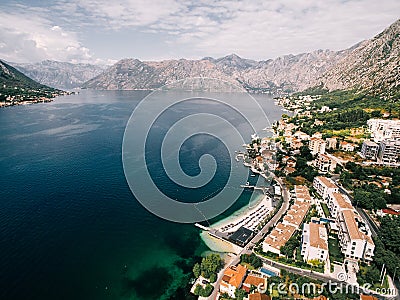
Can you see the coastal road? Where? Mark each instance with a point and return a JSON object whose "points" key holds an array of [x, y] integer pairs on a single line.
{"points": [[257, 237]]}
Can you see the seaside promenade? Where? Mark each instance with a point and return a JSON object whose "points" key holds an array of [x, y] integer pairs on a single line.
{"points": [[248, 248]]}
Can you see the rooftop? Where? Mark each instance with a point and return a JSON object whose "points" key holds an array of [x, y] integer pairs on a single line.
{"points": [[234, 275], [318, 236], [326, 181]]}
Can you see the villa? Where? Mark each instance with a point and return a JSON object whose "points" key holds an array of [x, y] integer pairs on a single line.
{"points": [[233, 279]]}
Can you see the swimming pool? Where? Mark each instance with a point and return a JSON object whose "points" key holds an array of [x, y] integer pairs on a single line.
{"points": [[268, 272]]}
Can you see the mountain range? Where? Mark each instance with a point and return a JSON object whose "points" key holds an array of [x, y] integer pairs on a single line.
{"points": [[62, 75], [371, 65]]}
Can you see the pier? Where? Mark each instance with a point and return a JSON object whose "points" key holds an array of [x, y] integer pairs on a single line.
{"points": [[261, 188]]}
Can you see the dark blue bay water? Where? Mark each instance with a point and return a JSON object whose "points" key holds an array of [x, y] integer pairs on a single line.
{"points": [[70, 227]]}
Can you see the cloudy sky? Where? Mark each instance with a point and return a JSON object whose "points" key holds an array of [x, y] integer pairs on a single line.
{"points": [[103, 31]]}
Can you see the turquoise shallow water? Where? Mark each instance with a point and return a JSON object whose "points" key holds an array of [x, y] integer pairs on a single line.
{"points": [[70, 227]]}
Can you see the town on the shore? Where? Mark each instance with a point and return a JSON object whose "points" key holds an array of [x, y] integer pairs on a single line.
{"points": [[329, 217]]}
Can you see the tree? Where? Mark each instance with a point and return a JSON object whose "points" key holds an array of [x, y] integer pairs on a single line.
{"points": [[290, 246], [240, 294], [197, 270]]}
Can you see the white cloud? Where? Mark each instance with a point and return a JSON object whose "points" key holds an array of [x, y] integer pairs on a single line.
{"points": [[28, 35], [251, 28]]}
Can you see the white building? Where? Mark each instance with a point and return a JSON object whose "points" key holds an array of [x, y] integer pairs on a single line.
{"points": [[384, 129], [316, 145], [338, 202], [314, 242], [389, 152], [324, 163], [354, 236], [369, 150], [345, 146], [331, 143], [324, 186]]}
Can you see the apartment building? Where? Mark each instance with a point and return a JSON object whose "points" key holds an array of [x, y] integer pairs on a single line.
{"points": [[369, 150], [354, 236], [314, 242], [316, 145], [338, 202], [324, 186], [384, 129]]}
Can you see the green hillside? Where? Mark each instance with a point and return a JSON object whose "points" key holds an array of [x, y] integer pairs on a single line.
{"points": [[16, 87]]}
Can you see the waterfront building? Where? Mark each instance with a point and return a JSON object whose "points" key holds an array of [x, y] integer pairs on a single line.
{"points": [[314, 242], [324, 186], [291, 222], [232, 279], [369, 150]]}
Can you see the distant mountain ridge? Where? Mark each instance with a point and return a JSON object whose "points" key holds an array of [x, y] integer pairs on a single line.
{"points": [[371, 65], [290, 73], [62, 75]]}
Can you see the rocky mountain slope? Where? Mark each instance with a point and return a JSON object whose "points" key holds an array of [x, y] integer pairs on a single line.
{"points": [[291, 72], [373, 65], [370, 65], [61, 75]]}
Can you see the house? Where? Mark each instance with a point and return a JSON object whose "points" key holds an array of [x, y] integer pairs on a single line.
{"points": [[254, 280], [331, 143], [314, 242], [258, 296], [232, 279], [302, 136], [296, 144], [354, 236], [316, 145], [324, 186], [369, 150], [318, 122], [324, 163], [367, 297], [387, 211], [291, 162], [345, 146], [288, 170]]}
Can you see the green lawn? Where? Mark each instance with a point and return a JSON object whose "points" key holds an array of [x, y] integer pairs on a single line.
{"points": [[334, 250], [325, 209]]}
